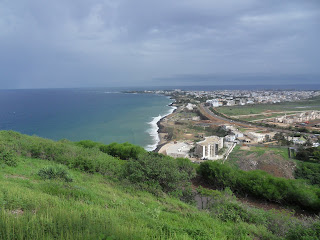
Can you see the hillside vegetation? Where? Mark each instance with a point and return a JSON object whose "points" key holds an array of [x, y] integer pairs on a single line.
{"points": [[262, 185], [87, 190]]}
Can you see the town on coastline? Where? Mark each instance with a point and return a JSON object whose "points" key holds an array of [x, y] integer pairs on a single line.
{"points": [[208, 125]]}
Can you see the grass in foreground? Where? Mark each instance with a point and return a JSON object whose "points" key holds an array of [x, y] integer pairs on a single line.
{"points": [[93, 207], [63, 190]]}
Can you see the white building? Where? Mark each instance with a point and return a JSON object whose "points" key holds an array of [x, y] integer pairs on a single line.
{"points": [[230, 138], [256, 137], [213, 103], [190, 106], [209, 148], [238, 134]]}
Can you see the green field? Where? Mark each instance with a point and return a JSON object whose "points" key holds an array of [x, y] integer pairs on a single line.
{"points": [[311, 104]]}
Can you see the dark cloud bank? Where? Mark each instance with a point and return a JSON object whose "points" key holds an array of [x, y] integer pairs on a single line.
{"points": [[144, 42]]}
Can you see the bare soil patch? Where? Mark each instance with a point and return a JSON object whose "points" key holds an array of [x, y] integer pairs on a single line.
{"points": [[245, 148], [270, 162]]}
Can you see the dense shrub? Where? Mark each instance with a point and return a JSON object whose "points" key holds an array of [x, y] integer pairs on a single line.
{"points": [[8, 157], [55, 172], [310, 154], [123, 151], [281, 139], [83, 163], [157, 173], [88, 144], [262, 185], [308, 171], [303, 232]]}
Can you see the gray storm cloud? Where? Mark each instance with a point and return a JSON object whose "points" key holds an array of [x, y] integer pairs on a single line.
{"points": [[145, 42]]}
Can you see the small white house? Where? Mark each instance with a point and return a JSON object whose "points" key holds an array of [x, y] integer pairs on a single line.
{"points": [[213, 103]]}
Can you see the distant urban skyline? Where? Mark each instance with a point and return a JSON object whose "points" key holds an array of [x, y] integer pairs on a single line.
{"points": [[108, 43]]}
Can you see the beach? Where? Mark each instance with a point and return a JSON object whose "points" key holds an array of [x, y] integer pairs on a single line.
{"points": [[162, 134], [157, 130]]}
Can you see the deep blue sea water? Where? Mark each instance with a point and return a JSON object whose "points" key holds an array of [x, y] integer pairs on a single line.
{"points": [[103, 115], [97, 114]]}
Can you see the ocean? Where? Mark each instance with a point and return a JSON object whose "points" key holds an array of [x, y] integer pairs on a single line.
{"points": [[102, 115]]}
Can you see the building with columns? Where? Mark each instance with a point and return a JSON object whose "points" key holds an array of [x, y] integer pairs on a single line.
{"points": [[209, 148]]}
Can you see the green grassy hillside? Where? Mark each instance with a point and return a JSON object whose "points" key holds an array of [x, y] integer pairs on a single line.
{"points": [[65, 190]]}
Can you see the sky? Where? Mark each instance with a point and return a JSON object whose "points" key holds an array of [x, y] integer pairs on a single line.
{"points": [[110, 43]]}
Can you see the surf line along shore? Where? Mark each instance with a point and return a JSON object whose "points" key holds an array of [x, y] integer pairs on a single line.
{"points": [[161, 127]]}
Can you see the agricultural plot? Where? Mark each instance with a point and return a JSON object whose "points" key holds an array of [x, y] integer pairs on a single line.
{"points": [[305, 105], [273, 160]]}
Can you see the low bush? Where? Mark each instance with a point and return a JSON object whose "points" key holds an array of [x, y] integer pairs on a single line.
{"points": [[123, 151], [308, 171], [156, 172], [55, 172], [83, 163], [310, 154], [304, 231], [8, 157], [88, 144]]}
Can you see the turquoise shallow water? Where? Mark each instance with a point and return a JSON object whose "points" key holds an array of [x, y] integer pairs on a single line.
{"points": [[76, 114]]}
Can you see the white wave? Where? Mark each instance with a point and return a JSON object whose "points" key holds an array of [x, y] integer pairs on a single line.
{"points": [[111, 92], [153, 130]]}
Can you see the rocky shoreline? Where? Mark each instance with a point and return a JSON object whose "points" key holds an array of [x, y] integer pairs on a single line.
{"points": [[161, 129]]}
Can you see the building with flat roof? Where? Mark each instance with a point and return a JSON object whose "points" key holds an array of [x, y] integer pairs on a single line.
{"points": [[209, 148], [213, 103], [256, 137]]}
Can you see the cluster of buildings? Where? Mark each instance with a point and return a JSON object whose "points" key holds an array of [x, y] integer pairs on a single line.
{"points": [[228, 102], [211, 148], [240, 97], [231, 98], [298, 117], [214, 147]]}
